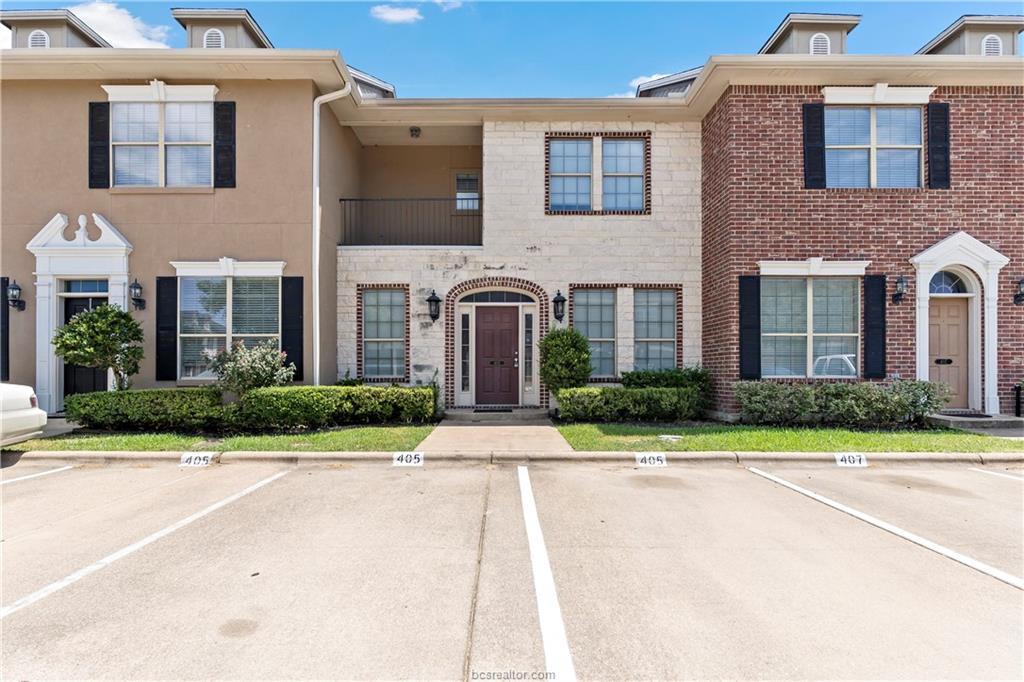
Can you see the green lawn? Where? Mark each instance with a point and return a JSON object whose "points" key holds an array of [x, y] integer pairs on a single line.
{"points": [[363, 438], [740, 438]]}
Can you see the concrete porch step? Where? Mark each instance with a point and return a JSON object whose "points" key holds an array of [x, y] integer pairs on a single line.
{"points": [[978, 422], [494, 415]]}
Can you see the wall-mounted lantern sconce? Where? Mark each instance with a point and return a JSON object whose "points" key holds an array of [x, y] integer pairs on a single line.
{"points": [[414, 132], [135, 292], [14, 296], [901, 289], [558, 303], [1018, 298], [434, 303]]}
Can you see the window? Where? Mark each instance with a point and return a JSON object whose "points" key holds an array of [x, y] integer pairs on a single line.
{"points": [[464, 349], [162, 144], [85, 286], [384, 333], [528, 351], [594, 316], [214, 38], [569, 169], [467, 191], [820, 44], [810, 326], [622, 168], [873, 146], [946, 283], [992, 46], [38, 38], [654, 328], [216, 312]]}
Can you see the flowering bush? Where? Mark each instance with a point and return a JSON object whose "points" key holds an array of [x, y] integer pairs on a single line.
{"points": [[242, 368]]}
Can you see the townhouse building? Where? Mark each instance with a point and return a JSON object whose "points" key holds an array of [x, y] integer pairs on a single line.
{"points": [[800, 214]]}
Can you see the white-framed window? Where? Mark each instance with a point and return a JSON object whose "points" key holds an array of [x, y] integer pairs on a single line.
{"points": [[38, 38], [569, 168], [467, 191], [622, 171], [213, 38], [810, 326], [384, 332], [992, 45], [873, 146], [594, 316], [820, 44], [654, 329], [161, 144], [214, 313]]}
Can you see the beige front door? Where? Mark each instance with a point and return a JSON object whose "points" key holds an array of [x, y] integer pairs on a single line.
{"points": [[947, 346]]}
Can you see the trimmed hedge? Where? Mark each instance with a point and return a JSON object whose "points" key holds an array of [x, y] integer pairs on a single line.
{"points": [[613, 404], [157, 409], [288, 407], [861, 404]]}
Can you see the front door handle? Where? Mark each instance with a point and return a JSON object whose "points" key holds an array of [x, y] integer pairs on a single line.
{"points": [[943, 361]]}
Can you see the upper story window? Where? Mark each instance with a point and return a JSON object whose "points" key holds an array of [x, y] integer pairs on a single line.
{"points": [[38, 38], [569, 168], [594, 315], [820, 44], [873, 146], [162, 144], [598, 173], [467, 191], [622, 166], [213, 37], [992, 45]]}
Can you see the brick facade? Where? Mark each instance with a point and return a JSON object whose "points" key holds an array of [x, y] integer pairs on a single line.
{"points": [[756, 208]]}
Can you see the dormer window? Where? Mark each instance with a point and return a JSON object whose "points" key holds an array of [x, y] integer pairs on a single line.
{"points": [[820, 44], [213, 37], [992, 46], [38, 38]]}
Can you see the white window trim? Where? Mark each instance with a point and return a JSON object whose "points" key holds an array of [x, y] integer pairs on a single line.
{"points": [[880, 93], [208, 33], [599, 147], [809, 334], [229, 267], [38, 32], [813, 267], [999, 42], [873, 146], [828, 44], [158, 91]]}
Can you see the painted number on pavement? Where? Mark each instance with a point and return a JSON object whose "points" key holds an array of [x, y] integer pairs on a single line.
{"points": [[651, 459], [851, 459], [407, 459], [196, 459]]}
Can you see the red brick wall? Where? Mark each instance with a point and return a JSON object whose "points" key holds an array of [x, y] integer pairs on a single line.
{"points": [[755, 208]]}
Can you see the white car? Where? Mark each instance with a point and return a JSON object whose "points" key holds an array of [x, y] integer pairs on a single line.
{"points": [[20, 416]]}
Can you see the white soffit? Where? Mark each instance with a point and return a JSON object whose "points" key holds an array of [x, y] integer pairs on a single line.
{"points": [[229, 267], [813, 267], [158, 91], [879, 93]]}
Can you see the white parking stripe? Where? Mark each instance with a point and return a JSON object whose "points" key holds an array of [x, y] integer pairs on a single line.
{"points": [[895, 530], [557, 657], [41, 473], [121, 553], [997, 473]]}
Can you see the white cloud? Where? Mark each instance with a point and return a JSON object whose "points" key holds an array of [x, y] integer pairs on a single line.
{"points": [[5, 37], [448, 5], [119, 27], [638, 81], [390, 14]]}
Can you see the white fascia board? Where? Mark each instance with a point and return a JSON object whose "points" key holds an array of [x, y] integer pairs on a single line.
{"points": [[813, 267], [228, 267], [880, 93], [158, 91]]}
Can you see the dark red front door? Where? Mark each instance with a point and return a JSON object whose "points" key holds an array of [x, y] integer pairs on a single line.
{"points": [[497, 347]]}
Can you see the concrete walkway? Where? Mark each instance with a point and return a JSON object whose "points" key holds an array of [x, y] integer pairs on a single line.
{"points": [[498, 436]]}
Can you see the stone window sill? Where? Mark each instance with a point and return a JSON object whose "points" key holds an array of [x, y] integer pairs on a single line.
{"points": [[161, 190]]}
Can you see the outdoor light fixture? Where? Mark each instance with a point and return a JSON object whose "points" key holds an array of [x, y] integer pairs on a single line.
{"points": [[135, 292], [14, 296], [414, 131], [1018, 298], [435, 305], [901, 289], [558, 303]]}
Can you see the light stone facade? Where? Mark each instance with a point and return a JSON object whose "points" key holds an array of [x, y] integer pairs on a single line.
{"points": [[552, 251]]}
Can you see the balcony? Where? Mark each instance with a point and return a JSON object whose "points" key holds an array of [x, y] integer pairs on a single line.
{"points": [[412, 222]]}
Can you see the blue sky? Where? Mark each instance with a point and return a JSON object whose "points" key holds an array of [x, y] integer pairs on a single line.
{"points": [[448, 48]]}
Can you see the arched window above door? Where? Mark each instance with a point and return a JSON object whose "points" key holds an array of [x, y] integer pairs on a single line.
{"points": [[945, 282]]}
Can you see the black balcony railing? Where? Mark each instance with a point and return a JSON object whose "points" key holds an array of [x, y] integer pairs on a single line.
{"points": [[411, 222]]}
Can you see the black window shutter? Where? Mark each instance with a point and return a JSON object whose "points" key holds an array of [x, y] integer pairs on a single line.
{"points": [[99, 145], [291, 322], [874, 327], [750, 327], [5, 333], [166, 328], [814, 146], [224, 144], [938, 145]]}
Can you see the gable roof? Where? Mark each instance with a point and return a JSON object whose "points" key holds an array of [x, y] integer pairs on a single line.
{"points": [[792, 18], [238, 14], [8, 15], [671, 79], [1009, 20]]}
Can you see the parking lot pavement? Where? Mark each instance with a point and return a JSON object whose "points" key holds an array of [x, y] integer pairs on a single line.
{"points": [[369, 571]]}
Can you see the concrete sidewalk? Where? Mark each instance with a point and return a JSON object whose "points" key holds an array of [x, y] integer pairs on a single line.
{"points": [[499, 436]]}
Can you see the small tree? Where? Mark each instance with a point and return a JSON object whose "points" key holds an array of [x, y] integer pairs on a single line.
{"points": [[105, 337], [241, 369], [564, 359]]}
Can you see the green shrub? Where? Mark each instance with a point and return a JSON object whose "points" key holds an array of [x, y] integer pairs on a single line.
{"points": [[162, 409], [612, 404], [668, 378], [241, 368], [105, 337], [860, 404], [289, 407], [564, 359]]}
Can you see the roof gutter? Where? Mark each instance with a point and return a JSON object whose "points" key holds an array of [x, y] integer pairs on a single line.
{"points": [[317, 103]]}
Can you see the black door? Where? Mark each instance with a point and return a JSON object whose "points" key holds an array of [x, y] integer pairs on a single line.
{"points": [[78, 379]]}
